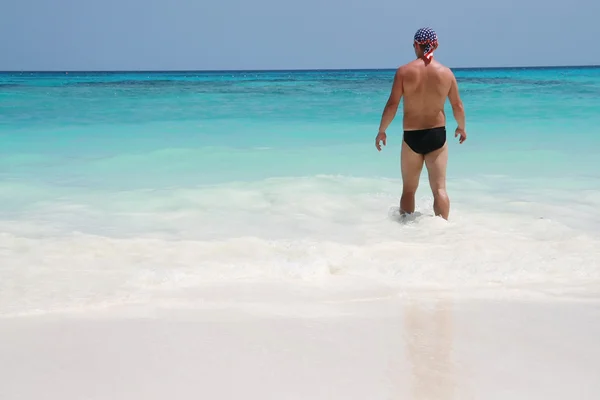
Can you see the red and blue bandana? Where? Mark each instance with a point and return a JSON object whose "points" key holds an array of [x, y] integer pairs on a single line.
{"points": [[427, 37]]}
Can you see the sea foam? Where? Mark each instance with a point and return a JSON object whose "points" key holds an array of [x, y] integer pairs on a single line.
{"points": [[97, 247]]}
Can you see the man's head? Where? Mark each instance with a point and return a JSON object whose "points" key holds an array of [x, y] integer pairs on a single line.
{"points": [[425, 42]]}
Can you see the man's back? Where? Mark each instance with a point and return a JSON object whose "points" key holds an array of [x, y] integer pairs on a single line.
{"points": [[425, 88]]}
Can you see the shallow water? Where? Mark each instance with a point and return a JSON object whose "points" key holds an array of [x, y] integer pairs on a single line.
{"points": [[114, 185]]}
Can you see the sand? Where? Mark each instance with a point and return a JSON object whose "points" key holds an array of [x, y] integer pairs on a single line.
{"points": [[283, 342]]}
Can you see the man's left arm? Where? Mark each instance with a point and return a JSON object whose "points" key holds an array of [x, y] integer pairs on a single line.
{"points": [[391, 107]]}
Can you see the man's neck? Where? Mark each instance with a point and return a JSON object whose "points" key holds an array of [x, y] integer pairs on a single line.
{"points": [[425, 60]]}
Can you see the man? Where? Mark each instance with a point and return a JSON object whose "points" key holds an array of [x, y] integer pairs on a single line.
{"points": [[425, 85]]}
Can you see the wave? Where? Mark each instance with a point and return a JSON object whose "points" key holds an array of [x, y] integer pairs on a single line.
{"points": [[97, 247]]}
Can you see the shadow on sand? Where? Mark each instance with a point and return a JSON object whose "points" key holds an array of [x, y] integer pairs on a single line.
{"points": [[429, 343]]}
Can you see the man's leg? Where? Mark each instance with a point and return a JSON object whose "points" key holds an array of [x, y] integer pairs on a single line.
{"points": [[436, 162], [412, 165]]}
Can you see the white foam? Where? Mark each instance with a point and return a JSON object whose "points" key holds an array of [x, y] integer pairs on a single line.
{"points": [[97, 247]]}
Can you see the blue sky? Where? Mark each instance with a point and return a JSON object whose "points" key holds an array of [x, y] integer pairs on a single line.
{"points": [[281, 34]]}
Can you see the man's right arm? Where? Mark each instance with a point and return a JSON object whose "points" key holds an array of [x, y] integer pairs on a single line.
{"points": [[457, 109], [457, 105]]}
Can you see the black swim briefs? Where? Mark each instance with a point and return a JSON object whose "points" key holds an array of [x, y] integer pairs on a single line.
{"points": [[425, 141]]}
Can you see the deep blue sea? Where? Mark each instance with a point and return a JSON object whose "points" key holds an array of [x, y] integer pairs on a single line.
{"points": [[116, 185]]}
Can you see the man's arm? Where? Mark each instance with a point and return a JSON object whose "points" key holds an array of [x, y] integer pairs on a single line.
{"points": [[458, 110], [389, 112], [457, 105]]}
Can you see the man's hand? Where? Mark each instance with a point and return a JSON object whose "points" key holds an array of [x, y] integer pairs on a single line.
{"points": [[462, 133], [381, 137]]}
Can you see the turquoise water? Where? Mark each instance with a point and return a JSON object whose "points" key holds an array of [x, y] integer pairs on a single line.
{"points": [[159, 129], [115, 185]]}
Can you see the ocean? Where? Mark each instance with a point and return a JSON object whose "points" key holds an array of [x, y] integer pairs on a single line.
{"points": [[120, 187]]}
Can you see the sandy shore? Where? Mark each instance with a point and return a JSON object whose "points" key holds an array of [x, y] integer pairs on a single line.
{"points": [[277, 343]]}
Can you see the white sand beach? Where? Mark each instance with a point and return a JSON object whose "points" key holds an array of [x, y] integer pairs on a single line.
{"points": [[253, 341]]}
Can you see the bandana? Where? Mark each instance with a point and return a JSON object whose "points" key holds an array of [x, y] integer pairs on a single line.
{"points": [[427, 37]]}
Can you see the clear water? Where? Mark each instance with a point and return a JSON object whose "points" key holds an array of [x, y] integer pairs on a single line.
{"points": [[114, 186]]}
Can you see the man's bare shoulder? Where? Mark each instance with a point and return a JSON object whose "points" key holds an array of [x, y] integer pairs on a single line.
{"points": [[445, 70], [410, 66], [417, 65], [407, 70], [401, 70]]}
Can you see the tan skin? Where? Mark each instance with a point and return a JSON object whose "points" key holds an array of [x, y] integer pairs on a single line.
{"points": [[425, 86]]}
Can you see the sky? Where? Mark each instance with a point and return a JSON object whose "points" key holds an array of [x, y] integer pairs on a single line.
{"points": [[70, 35]]}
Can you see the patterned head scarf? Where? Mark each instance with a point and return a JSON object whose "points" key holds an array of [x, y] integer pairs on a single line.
{"points": [[427, 37]]}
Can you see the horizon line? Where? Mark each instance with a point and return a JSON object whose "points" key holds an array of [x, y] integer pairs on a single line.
{"points": [[287, 70]]}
